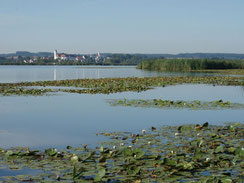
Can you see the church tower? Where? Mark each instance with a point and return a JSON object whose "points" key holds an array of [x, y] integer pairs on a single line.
{"points": [[55, 54]]}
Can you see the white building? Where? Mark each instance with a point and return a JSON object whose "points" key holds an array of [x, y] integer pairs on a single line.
{"points": [[55, 56]]}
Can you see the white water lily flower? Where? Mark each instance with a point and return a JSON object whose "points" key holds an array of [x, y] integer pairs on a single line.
{"points": [[149, 143], [176, 134], [114, 147], [130, 146], [74, 158], [207, 159], [198, 134], [143, 131], [122, 144]]}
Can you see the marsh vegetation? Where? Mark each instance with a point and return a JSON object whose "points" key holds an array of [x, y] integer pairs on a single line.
{"points": [[190, 64]]}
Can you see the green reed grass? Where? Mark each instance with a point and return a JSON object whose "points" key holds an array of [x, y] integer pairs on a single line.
{"points": [[189, 64]]}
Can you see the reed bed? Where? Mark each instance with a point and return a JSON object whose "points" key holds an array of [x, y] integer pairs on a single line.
{"points": [[190, 64]]}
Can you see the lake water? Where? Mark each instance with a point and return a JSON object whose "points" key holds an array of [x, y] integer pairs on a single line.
{"points": [[41, 73], [74, 119]]}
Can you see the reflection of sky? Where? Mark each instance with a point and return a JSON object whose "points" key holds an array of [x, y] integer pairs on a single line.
{"points": [[40, 73], [73, 119], [24, 171]]}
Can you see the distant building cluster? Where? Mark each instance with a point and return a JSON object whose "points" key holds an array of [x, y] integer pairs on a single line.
{"points": [[72, 57], [24, 57]]}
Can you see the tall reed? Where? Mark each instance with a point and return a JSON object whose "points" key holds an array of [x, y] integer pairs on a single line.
{"points": [[189, 64]]}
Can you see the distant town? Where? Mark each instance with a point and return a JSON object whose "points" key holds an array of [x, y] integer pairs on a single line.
{"points": [[48, 58], [76, 58], [59, 58]]}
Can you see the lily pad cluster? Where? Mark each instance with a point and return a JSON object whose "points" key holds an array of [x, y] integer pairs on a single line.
{"points": [[187, 153], [168, 104], [224, 71], [7, 91], [113, 85]]}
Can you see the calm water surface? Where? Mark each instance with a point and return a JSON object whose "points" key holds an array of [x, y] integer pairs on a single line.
{"points": [[74, 119], [41, 73]]}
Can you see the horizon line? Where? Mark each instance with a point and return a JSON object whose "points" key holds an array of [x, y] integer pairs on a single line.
{"points": [[129, 53]]}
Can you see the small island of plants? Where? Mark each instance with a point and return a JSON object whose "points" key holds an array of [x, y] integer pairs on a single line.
{"points": [[179, 104], [111, 85]]}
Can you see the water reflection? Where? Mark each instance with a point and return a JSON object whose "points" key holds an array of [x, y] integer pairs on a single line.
{"points": [[24, 171], [41, 73], [55, 74], [74, 119]]}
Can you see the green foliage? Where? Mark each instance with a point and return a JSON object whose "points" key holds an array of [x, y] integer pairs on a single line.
{"points": [[170, 104], [201, 153], [107, 59], [124, 59], [190, 64], [99, 176], [112, 85], [51, 152]]}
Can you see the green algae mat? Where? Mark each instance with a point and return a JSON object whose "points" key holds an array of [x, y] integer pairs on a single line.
{"points": [[188, 153]]}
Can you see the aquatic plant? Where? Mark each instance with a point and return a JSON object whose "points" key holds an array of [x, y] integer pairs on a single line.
{"points": [[113, 85], [187, 153], [168, 104], [221, 71], [13, 90]]}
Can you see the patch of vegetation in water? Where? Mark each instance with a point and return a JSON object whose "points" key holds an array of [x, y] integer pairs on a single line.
{"points": [[222, 71], [169, 104], [189, 64], [187, 153], [8, 91], [114, 85]]}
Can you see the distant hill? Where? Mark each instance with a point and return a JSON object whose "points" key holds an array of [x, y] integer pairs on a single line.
{"points": [[211, 55], [26, 53], [233, 56]]}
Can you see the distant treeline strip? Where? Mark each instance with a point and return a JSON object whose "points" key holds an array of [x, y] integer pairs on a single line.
{"points": [[189, 64]]}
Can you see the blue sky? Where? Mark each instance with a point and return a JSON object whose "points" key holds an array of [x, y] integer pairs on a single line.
{"points": [[122, 26]]}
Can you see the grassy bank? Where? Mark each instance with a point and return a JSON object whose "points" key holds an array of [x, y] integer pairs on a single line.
{"points": [[190, 64]]}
